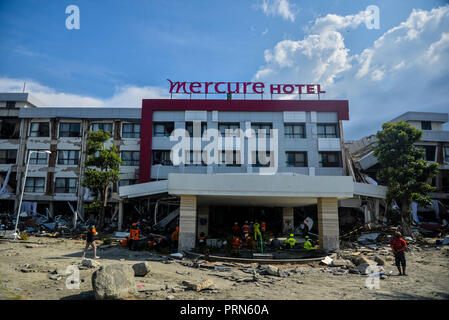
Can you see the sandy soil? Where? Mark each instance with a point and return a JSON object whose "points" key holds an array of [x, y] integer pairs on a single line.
{"points": [[26, 266]]}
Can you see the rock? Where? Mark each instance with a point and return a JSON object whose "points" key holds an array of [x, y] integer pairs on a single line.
{"points": [[115, 281], [141, 269], [169, 297], [354, 271], [358, 260], [89, 263], [198, 286], [274, 271], [55, 277], [365, 268], [342, 263], [379, 261]]}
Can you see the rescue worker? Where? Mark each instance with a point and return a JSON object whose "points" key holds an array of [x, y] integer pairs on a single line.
{"points": [[134, 234], [308, 244], [250, 243], [263, 227], [398, 246], [235, 229], [236, 242], [257, 230], [90, 241], [202, 242], [290, 241], [245, 230], [305, 228], [175, 238]]}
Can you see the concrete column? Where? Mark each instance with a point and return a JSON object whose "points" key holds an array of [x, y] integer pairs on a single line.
{"points": [[51, 209], [203, 216], [376, 210], [287, 220], [120, 215], [328, 223], [187, 223]]}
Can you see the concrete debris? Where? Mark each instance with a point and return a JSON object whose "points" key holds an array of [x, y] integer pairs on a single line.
{"points": [[358, 260], [90, 263], [379, 261], [115, 281], [342, 263], [169, 297], [141, 269], [327, 261], [55, 277], [176, 255], [198, 286]]}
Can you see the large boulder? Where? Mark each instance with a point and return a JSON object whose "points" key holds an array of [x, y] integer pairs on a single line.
{"points": [[141, 269], [115, 281]]}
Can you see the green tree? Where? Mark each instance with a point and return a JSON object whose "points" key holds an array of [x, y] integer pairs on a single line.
{"points": [[404, 171], [102, 170]]}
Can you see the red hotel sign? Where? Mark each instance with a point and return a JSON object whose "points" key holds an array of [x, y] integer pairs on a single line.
{"points": [[241, 88]]}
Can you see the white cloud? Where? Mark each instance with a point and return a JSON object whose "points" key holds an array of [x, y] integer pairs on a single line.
{"points": [[127, 96], [405, 69], [281, 8]]}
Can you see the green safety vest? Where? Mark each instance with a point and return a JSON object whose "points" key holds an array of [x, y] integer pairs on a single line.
{"points": [[308, 245]]}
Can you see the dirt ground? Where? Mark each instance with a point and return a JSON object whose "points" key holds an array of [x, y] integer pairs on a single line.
{"points": [[26, 267]]}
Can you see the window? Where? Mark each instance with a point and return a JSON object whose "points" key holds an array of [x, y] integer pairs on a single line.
{"points": [[38, 157], [232, 127], [163, 129], [258, 162], [130, 158], [262, 126], [127, 182], [9, 128], [296, 159], [10, 104], [8, 156], [195, 159], [294, 130], [40, 129], [35, 184], [327, 131], [227, 161], [189, 128], [161, 157], [105, 127], [69, 129], [429, 152], [329, 159], [426, 125], [446, 154], [131, 130], [68, 157], [65, 185]]}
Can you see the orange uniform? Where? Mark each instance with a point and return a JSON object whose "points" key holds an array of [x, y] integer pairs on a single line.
{"points": [[245, 228], [263, 226], [236, 243], [175, 234], [134, 232]]}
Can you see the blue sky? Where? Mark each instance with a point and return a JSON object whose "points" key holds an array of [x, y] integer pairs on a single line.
{"points": [[130, 47]]}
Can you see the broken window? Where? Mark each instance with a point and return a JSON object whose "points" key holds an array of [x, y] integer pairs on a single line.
{"points": [[330, 159], [38, 157], [262, 126], [230, 159], [163, 129], [426, 125], [295, 130], [9, 128], [65, 185], [69, 129], [296, 159], [40, 129], [68, 157], [10, 104], [228, 127], [195, 159], [328, 130], [429, 152], [161, 157], [131, 130], [105, 127], [35, 184], [8, 156], [189, 128], [130, 158]]}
